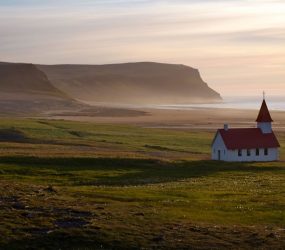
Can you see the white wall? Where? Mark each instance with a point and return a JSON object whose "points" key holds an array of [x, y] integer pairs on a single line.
{"points": [[232, 155], [219, 144], [273, 155], [265, 127]]}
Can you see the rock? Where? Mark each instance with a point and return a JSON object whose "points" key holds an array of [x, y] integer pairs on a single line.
{"points": [[195, 229], [27, 215], [18, 206], [100, 208], [139, 214], [50, 189], [158, 238], [37, 231], [271, 235], [71, 223]]}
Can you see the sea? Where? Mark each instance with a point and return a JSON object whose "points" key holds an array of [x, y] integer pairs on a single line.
{"points": [[236, 102]]}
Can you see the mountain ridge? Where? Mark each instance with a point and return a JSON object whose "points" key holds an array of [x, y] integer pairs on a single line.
{"points": [[131, 83], [27, 88]]}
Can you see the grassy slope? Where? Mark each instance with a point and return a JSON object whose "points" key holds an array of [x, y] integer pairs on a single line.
{"points": [[132, 187]]}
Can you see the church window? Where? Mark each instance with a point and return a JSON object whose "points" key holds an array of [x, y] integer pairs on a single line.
{"points": [[257, 152], [266, 151], [239, 152], [248, 152]]}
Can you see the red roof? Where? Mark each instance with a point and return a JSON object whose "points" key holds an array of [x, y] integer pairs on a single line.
{"points": [[264, 115], [248, 138]]}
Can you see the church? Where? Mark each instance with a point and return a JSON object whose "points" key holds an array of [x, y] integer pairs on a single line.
{"points": [[247, 144]]}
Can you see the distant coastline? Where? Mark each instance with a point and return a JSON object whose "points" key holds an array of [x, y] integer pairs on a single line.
{"points": [[276, 103]]}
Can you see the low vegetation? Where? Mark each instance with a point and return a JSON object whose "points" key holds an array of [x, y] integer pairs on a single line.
{"points": [[71, 185]]}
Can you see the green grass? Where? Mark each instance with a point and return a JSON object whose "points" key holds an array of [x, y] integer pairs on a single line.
{"points": [[74, 185]]}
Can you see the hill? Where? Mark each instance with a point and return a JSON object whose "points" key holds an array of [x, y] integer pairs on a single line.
{"points": [[21, 77], [25, 89], [131, 83]]}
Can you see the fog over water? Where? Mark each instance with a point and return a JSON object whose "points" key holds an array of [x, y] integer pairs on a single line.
{"points": [[238, 102], [276, 103]]}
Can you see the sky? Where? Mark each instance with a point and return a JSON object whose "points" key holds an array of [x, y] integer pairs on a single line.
{"points": [[237, 45]]}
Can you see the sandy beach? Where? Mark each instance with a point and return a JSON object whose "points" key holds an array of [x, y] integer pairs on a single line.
{"points": [[196, 118]]}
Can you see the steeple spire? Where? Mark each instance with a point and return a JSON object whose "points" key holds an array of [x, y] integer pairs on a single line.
{"points": [[264, 115]]}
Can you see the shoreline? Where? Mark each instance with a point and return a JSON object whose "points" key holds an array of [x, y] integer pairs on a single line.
{"points": [[276, 103]]}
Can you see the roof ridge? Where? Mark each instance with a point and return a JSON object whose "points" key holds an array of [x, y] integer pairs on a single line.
{"points": [[238, 129], [248, 138]]}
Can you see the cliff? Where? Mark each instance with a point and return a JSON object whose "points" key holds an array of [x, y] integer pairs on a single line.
{"points": [[131, 83]]}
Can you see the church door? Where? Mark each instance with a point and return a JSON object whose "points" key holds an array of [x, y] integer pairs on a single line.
{"points": [[219, 155]]}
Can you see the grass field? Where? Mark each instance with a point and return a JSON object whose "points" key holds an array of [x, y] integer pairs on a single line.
{"points": [[71, 185]]}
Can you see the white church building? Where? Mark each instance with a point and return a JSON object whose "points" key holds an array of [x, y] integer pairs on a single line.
{"points": [[247, 144]]}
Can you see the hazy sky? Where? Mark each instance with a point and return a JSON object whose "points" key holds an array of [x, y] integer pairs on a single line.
{"points": [[238, 45]]}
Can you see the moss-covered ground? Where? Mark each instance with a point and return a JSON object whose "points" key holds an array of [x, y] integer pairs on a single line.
{"points": [[71, 185]]}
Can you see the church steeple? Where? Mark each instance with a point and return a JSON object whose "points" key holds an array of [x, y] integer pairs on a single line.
{"points": [[264, 119], [264, 115]]}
